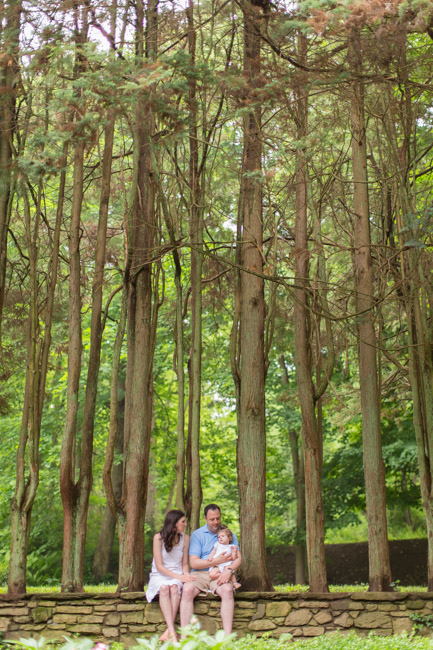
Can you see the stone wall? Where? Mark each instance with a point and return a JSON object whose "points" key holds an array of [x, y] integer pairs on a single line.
{"points": [[109, 617]]}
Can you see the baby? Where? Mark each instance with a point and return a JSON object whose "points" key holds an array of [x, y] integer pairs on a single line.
{"points": [[223, 546]]}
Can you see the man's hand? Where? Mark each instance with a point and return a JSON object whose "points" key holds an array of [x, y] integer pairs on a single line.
{"points": [[225, 576], [219, 559]]}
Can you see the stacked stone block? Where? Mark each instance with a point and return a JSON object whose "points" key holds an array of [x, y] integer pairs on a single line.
{"points": [[112, 617]]}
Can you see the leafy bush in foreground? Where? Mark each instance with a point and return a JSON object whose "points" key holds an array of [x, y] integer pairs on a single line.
{"points": [[198, 639]]}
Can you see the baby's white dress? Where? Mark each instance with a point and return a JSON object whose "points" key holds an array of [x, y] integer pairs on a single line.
{"points": [[171, 561], [223, 548]]}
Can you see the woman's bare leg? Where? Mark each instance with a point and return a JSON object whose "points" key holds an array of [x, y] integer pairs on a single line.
{"points": [[175, 600], [167, 611]]}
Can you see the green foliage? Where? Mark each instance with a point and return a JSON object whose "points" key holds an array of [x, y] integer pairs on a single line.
{"points": [[421, 620], [51, 90], [372, 642], [201, 640]]}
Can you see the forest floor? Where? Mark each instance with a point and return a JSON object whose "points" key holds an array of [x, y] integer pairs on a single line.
{"points": [[348, 563]]}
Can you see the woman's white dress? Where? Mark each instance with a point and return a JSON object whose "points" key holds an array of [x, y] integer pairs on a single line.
{"points": [[171, 561]]}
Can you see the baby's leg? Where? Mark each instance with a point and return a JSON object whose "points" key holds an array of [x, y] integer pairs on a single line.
{"points": [[234, 582], [214, 573]]}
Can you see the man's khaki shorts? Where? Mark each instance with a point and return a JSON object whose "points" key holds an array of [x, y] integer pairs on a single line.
{"points": [[203, 582]]}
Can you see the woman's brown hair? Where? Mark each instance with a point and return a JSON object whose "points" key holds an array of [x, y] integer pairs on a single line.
{"points": [[168, 531]]}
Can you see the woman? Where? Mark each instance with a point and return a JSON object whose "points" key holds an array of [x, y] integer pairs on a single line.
{"points": [[169, 568]]}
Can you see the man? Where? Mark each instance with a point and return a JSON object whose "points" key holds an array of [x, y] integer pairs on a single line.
{"points": [[201, 545]]}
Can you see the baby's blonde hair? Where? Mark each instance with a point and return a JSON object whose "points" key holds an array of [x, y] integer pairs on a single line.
{"points": [[228, 533]]}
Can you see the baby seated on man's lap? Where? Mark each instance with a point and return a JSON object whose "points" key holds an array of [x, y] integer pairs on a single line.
{"points": [[224, 546]]}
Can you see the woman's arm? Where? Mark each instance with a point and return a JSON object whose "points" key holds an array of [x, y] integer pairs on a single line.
{"points": [[157, 555]]}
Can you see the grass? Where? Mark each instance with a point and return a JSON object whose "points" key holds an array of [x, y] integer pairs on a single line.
{"points": [[55, 589], [200, 640], [346, 588], [286, 588]]}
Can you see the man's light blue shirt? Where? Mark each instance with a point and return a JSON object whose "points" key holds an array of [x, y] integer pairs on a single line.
{"points": [[202, 542]]}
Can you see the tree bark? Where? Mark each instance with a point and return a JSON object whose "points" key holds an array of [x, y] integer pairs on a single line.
{"points": [[251, 443], [117, 419], [374, 471], [67, 454], [311, 438], [140, 330], [38, 352], [416, 296], [194, 491], [178, 363], [25, 490], [301, 563], [9, 78], [299, 480], [180, 373], [101, 559], [76, 493]]}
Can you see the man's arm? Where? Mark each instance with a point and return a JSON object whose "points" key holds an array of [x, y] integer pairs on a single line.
{"points": [[236, 562], [228, 570], [197, 564], [212, 555]]}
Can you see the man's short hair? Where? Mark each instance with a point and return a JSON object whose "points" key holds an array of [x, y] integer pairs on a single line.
{"points": [[211, 506]]}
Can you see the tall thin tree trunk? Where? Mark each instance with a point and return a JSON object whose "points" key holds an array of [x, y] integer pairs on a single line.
{"points": [[140, 331], [180, 373], [374, 471], [9, 77], [101, 559], [194, 490], [311, 438], [38, 352], [76, 493], [25, 490], [301, 560], [68, 447], [117, 419], [312, 442], [84, 484], [299, 479], [251, 444], [421, 378], [67, 453], [416, 288], [178, 357]]}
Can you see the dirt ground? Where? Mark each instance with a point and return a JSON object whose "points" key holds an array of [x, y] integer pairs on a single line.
{"points": [[348, 563]]}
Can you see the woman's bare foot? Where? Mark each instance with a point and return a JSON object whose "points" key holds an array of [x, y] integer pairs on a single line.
{"points": [[165, 636]]}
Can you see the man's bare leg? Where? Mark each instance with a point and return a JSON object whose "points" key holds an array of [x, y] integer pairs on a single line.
{"points": [[189, 593], [225, 592]]}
